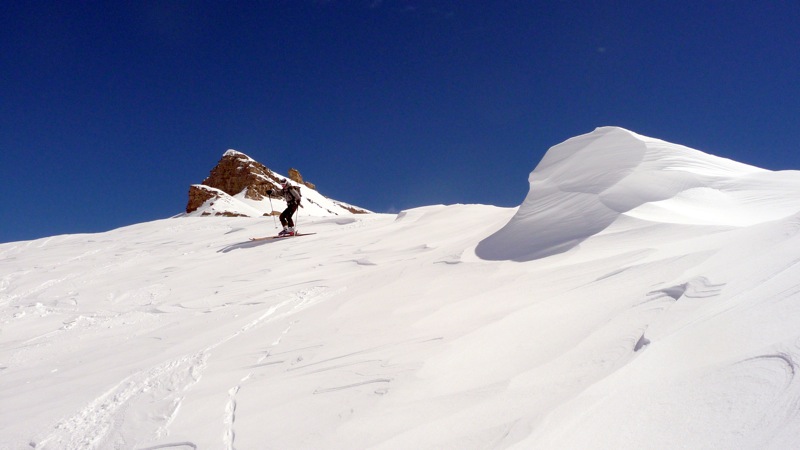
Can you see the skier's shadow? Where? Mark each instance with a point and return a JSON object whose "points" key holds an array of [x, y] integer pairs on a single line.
{"points": [[248, 244]]}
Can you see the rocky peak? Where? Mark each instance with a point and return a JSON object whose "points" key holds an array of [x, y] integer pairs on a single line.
{"points": [[238, 185], [233, 174], [237, 172]]}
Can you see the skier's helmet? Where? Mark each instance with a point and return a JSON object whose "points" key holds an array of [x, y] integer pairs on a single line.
{"points": [[284, 182]]}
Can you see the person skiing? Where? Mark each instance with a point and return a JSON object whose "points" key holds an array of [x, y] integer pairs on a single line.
{"points": [[292, 196]]}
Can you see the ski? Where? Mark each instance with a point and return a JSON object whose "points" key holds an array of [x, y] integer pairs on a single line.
{"points": [[280, 237]]}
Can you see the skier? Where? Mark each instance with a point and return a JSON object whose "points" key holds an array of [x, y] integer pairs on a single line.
{"points": [[292, 196]]}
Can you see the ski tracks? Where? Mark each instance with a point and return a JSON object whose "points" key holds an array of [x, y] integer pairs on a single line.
{"points": [[165, 383], [102, 423], [300, 301], [230, 415]]}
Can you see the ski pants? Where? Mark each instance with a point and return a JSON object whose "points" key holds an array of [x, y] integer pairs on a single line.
{"points": [[286, 215]]}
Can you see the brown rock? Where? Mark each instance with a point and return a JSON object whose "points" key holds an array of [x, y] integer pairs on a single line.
{"points": [[237, 172], [198, 196], [295, 176]]}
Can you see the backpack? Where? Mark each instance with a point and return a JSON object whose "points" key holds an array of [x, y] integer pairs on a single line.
{"points": [[294, 194]]}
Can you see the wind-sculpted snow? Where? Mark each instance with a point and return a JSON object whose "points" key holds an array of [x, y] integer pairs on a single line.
{"points": [[586, 183], [674, 324]]}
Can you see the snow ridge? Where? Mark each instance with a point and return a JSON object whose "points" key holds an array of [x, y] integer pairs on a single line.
{"points": [[587, 183]]}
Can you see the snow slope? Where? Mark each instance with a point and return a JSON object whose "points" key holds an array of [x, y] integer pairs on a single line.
{"points": [[651, 300]]}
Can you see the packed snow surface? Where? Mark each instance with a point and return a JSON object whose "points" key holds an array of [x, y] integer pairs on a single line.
{"points": [[644, 295]]}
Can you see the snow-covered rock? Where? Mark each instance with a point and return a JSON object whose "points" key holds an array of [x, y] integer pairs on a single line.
{"points": [[238, 187]]}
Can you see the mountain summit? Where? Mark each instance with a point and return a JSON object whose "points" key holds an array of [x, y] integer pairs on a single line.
{"points": [[238, 185]]}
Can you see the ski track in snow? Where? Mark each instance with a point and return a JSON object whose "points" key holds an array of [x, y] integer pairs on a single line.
{"points": [[90, 427], [94, 425], [303, 299], [171, 446]]}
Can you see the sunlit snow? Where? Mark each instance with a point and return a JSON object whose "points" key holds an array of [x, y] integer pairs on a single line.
{"points": [[644, 295]]}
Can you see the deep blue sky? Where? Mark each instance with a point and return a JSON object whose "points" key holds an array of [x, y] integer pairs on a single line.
{"points": [[110, 110]]}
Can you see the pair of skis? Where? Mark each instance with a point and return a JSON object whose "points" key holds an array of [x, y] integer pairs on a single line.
{"points": [[280, 237]]}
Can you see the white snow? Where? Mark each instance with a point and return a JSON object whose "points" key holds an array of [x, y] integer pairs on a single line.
{"points": [[232, 152], [645, 295]]}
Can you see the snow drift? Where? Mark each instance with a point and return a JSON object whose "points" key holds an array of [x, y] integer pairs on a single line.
{"points": [[666, 314], [586, 183]]}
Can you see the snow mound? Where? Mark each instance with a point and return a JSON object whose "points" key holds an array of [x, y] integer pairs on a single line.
{"points": [[586, 183]]}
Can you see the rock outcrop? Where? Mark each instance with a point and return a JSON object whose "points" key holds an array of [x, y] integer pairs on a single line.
{"points": [[217, 202], [295, 176], [238, 185], [237, 172], [198, 195], [233, 174]]}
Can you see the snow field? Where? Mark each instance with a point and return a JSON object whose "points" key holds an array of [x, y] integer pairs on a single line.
{"points": [[607, 311]]}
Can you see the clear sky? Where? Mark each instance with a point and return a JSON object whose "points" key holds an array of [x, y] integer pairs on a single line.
{"points": [[110, 110]]}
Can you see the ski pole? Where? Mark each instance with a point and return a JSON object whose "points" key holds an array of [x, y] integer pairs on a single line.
{"points": [[271, 211]]}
